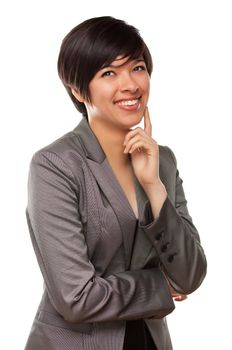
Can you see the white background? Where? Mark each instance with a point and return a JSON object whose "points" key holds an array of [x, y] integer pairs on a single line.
{"points": [[190, 106]]}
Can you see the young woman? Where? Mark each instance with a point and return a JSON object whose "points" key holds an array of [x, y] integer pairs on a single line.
{"points": [[106, 209]]}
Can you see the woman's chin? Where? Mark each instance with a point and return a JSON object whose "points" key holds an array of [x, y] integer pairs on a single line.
{"points": [[135, 121]]}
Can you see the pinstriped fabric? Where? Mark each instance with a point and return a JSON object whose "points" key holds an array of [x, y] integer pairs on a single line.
{"points": [[100, 265], [106, 336], [126, 220], [48, 337]]}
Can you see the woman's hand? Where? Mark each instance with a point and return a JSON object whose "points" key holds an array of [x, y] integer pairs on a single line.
{"points": [[175, 295], [144, 153]]}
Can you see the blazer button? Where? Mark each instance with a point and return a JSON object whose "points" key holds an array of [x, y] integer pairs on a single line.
{"points": [[171, 257], [158, 236], [164, 247]]}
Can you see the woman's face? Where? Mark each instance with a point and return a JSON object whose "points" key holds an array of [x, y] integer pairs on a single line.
{"points": [[119, 93]]}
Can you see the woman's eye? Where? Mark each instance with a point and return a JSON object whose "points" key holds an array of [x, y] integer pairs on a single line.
{"points": [[140, 68], [107, 74]]}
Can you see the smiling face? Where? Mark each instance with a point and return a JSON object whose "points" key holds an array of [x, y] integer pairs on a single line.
{"points": [[119, 93]]}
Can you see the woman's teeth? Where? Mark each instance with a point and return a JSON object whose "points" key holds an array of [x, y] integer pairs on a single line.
{"points": [[128, 103]]}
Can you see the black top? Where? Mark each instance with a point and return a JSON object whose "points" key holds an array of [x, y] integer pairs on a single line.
{"points": [[137, 336]]}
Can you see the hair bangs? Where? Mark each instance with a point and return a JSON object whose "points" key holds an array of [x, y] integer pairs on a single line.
{"points": [[114, 42]]}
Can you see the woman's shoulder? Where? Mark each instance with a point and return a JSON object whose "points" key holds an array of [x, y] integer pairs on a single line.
{"points": [[167, 155], [63, 152]]}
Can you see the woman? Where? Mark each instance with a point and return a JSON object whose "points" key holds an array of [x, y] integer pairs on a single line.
{"points": [[106, 209]]}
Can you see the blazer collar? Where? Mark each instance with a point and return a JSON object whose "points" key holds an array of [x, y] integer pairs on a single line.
{"points": [[107, 181], [89, 141]]}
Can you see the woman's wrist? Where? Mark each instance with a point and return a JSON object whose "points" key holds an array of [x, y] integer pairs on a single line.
{"points": [[157, 195], [156, 186]]}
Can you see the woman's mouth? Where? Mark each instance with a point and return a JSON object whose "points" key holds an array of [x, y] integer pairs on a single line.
{"points": [[130, 104]]}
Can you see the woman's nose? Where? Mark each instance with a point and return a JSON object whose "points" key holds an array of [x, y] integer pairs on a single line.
{"points": [[127, 83]]}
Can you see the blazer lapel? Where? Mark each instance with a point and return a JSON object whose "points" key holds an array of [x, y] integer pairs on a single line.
{"points": [[109, 184]]}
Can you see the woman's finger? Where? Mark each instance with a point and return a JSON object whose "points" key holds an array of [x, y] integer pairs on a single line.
{"points": [[133, 136], [147, 122], [132, 141], [139, 145], [180, 297]]}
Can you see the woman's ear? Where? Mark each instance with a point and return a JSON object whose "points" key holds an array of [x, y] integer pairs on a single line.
{"points": [[77, 95]]}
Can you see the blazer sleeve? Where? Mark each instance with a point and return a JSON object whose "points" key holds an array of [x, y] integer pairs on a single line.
{"points": [[176, 239], [74, 288]]}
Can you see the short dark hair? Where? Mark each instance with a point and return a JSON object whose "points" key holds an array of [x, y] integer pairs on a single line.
{"points": [[93, 44]]}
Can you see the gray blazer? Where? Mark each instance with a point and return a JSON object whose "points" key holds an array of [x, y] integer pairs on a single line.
{"points": [[101, 266]]}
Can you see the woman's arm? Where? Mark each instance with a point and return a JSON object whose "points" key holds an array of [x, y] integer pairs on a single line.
{"points": [[74, 289], [175, 237]]}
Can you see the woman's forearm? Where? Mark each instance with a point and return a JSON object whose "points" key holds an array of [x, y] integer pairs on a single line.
{"points": [[156, 194]]}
